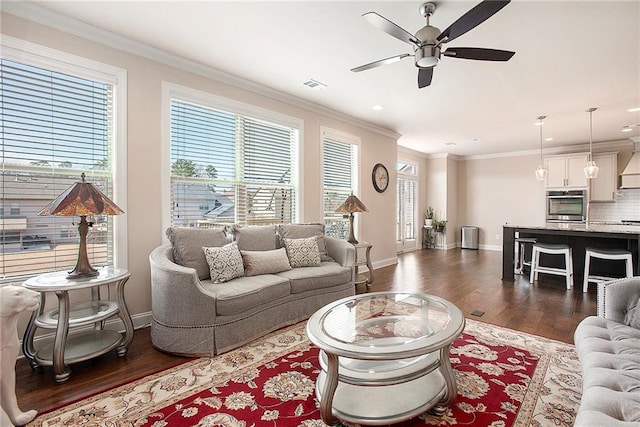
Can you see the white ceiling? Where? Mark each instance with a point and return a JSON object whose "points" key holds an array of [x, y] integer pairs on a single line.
{"points": [[570, 55]]}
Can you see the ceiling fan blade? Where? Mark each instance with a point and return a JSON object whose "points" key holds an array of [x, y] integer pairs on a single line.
{"points": [[472, 19], [375, 64], [425, 75], [479, 54], [390, 28]]}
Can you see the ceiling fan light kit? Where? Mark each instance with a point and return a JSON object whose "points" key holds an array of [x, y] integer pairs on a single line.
{"points": [[428, 40]]}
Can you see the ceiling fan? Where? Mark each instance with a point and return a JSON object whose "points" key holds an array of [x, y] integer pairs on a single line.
{"points": [[428, 40]]}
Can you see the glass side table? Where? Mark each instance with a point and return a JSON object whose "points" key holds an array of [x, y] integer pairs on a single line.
{"points": [[66, 349]]}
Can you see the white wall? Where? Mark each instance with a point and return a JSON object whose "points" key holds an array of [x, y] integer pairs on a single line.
{"points": [[496, 191]]}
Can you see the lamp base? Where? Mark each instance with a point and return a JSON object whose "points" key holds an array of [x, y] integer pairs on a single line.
{"points": [[83, 269], [352, 237], [77, 274]]}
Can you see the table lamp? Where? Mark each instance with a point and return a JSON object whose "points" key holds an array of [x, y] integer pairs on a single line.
{"points": [[82, 199], [350, 206]]}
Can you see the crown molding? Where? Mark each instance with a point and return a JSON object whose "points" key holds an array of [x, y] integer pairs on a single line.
{"points": [[40, 15], [567, 149]]}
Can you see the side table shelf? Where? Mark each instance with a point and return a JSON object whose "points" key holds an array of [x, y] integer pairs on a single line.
{"points": [[70, 347], [80, 347], [359, 278], [80, 314]]}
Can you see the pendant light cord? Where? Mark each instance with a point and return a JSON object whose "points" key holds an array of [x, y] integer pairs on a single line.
{"points": [[590, 111], [540, 118]]}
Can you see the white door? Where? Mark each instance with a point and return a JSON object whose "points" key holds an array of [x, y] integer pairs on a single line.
{"points": [[407, 220]]}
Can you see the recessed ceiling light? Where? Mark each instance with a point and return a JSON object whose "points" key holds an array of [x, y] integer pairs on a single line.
{"points": [[626, 129], [634, 109], [314, 84], [449, 143], [549, 138], [378, 107], [476, 139]]}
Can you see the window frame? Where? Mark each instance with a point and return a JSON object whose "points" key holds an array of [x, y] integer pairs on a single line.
{"points": [[172, 91], [33, 54], [345, 138]]}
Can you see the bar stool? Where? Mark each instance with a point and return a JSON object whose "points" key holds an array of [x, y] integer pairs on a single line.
{"points": [[552, 249], [522, 247], [608, 254]]}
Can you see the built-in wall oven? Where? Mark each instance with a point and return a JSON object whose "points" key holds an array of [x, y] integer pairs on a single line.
{"points": [[567, 206]]}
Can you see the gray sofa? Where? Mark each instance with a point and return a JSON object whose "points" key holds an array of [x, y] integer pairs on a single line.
{"points": [[194, 316], [608, 346]]}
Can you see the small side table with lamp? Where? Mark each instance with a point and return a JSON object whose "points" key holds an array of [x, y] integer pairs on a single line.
{"points": [[352, 205], [81, 199]]}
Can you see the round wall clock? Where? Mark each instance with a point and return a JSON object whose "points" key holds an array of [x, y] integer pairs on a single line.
{"points": [[380, 178]]}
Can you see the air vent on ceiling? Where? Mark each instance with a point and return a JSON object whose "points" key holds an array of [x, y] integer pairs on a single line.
{"points": [[314, 84]]}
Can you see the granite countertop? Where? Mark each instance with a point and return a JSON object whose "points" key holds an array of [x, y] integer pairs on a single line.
{"points": [[597, 227]]}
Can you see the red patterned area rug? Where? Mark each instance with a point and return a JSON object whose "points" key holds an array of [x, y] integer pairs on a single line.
{"points": [[504, 378]]}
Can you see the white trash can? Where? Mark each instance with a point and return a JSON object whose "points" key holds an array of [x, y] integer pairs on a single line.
{"points": [[469, 237]]}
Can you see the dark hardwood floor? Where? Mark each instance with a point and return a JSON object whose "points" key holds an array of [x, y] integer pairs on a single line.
{"points": [[470, 279]]}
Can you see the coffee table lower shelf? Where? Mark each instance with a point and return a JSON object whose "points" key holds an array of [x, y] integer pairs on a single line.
{"points": [[384, 404]]}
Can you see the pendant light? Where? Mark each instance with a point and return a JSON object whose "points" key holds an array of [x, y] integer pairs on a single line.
{"points": [[541, 172], [591, 169]]}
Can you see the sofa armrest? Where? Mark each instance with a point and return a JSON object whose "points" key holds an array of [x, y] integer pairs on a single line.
{"points": [[178, 298], [617, 297], [341, 251]]}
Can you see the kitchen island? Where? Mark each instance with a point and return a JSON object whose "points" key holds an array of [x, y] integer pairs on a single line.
{"points": [[578, 236]]}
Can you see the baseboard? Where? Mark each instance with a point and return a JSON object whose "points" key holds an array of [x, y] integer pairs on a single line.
{"points": [[385, 262], [141, 320]]}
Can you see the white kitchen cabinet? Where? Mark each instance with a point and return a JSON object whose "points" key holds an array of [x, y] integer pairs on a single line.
{"points": [[603, 188], [566, 171]]}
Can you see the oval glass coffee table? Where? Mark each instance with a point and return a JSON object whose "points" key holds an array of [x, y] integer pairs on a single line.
{"points": [[385, 356]]}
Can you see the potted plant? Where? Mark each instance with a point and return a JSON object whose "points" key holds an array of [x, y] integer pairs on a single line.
{"points": [[439, 225], [428, 217]]}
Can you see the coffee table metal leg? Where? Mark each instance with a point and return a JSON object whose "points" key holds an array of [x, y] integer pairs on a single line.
{"points": [[451, 389], [326, 402]]}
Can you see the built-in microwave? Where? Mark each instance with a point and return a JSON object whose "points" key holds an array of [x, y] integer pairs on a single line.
{"points": [[565, 206]]}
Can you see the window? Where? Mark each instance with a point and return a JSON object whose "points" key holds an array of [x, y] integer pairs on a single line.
{"points": [[229, 167], [406, 204], [340, 177], [57, 121]]}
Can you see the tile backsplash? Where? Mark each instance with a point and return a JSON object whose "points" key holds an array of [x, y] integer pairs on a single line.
{"points": [[626, 207]]}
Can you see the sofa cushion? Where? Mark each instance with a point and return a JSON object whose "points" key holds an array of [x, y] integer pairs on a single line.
{"points": [[225, 262], [303, 252], [187, 244], [301, 231], [327, 274], [265, 262], [261, 238], [609, 354], [245, 293]]}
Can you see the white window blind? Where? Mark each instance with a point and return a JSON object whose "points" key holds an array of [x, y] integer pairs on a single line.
{"points": [[228, 168], [339, 160], [54, 126]]}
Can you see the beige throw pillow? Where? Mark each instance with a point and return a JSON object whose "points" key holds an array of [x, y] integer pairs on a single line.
{"points": [[225, 262], [265, 262], [303, 252], [302, 231]]}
